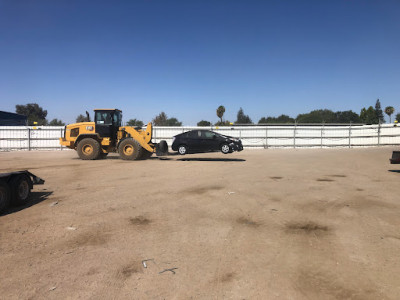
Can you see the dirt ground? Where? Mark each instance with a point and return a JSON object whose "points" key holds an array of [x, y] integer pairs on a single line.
{"points": [[259, 224]]}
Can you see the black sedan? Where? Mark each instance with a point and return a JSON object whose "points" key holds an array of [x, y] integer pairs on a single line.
{"points": [[197, 141]]}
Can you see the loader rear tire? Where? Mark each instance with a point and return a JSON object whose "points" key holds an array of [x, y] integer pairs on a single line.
{"points": [[129, 149], [5, 195], [88, 149]]}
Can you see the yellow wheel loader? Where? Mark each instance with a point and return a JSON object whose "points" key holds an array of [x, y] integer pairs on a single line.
{"points": [[94, 140]]}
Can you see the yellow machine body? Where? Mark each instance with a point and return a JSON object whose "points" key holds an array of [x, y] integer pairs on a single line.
{"points": [[75, 132], [104, 136]]}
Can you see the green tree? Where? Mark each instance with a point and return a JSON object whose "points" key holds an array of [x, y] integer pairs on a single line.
{"points": [[160, 120], [398, 117], [204, 123], [173, 122], [379, 112], [163, 120], [242, 118], [33, 112], [135, 123], [317, 116], [389, 110], [56, 122], [220, 112], [347, 116], [369, 116], [81, 118], [282, 119]]}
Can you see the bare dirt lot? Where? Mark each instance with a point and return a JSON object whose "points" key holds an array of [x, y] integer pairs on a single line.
{"points": [[260, 224]]}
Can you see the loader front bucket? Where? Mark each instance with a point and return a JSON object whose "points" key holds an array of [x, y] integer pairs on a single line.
{"points": [[395, 157], [162, 148]]}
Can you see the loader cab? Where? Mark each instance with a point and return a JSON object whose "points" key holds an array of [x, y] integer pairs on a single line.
{"points": [[107, 122]]}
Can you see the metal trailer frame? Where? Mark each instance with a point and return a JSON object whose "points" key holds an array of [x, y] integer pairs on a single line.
{"points": [[9, 191]]}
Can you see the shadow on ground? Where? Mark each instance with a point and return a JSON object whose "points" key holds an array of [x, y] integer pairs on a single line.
{"points": [[35, 198], [212, 159], [117, 157], [394, 171]]}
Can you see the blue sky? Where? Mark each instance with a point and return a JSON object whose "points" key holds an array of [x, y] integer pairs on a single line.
{"points": [[188, 57]]}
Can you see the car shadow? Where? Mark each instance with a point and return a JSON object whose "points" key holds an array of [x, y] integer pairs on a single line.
{"points": [[35, 198], [212, 159], [394, 171]]}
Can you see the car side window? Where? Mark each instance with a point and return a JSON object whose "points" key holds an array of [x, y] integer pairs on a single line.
{"points": [[193, 134], [208, 135]]}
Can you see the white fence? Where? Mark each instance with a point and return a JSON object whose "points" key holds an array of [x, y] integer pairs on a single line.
{"points": [[270, 136]]}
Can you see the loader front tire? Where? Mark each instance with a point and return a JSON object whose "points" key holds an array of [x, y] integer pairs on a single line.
{"points": [[88, 149], [129, 149]]}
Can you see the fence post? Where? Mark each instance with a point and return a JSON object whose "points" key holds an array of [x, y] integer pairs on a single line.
{"points": [[350, 135], [266, 136], [61, 135], [294, 134], [29, 139], [322, 130], [379, 133]]}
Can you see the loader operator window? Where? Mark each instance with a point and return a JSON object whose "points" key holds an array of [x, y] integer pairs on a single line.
{"points": [[103, 118], [117, 118]]}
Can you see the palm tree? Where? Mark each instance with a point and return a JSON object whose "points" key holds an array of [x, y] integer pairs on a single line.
{"points": [[220, 112], [389, 110]]}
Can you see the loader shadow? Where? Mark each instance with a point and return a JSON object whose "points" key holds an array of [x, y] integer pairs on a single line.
{"points": [[212, 159], [35, 198], [117, 157], [394, 171], [150, 158]]}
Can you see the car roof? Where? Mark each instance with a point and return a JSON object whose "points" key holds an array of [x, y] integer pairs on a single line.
{"points": [[196, 130]]}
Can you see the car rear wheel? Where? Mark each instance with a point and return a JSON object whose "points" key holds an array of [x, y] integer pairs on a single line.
{"points": [[182, 149], [225, 149]]}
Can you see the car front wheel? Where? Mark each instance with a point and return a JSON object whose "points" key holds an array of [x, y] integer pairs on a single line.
{"points": [[225, 148], [182, 149]]}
